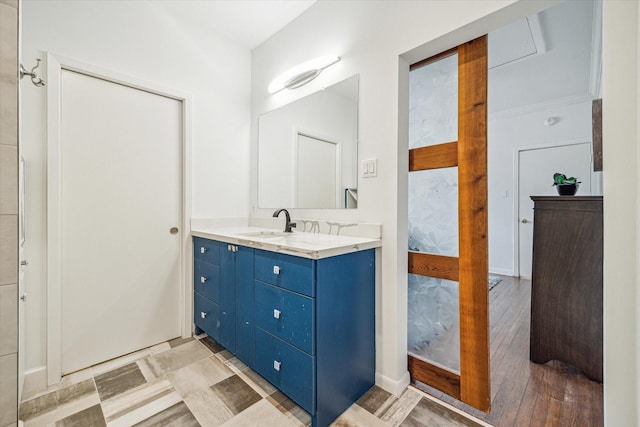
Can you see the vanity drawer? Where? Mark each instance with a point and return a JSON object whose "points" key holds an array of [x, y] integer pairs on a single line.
{"points": [[206, 315], [206, 250], [288, 368], [285, 314], [286, 271], [206, 280]]}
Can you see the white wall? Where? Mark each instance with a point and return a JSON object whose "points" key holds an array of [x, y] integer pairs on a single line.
{"points": [[621, 157], [507, 132], [135, 39], [377, 40]]}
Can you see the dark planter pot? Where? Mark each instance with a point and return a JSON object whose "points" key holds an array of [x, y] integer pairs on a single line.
{"points": [[567, 189]]}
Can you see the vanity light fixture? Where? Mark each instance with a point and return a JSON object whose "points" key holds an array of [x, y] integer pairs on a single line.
{"points": [[301, 74]]}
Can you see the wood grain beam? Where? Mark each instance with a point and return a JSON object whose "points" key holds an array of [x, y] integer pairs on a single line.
{"points": [[434, 157], [442, 267], [435, 376], [472, 223]]}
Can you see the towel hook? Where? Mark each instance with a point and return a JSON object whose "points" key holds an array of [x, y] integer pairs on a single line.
{"points": [[23, 72]]}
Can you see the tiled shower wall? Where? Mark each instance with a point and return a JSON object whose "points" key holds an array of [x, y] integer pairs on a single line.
{"points": [[8, 212]]}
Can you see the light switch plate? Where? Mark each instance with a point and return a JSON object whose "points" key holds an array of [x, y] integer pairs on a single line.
{"points": [[369, 168]]}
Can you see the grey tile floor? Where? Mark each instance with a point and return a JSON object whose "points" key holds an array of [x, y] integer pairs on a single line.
{"points": [[196, 382]]}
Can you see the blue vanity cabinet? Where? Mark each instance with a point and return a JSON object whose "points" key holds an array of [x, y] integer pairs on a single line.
{"points": [[307, 326], [315, 328]]}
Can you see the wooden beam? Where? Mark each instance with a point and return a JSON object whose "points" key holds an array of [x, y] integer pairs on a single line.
{"points": [[434, 376], [433, 59], [442, 267], [472, 222], [434, 157]]}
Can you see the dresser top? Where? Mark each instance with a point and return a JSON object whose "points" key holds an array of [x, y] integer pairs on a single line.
{"points": [[567, 198], [305, 245]]}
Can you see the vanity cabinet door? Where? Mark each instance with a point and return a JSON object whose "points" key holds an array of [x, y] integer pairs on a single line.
{"points": [[287, 315], [206, 250], [206, 315], [206, 280], [286, 271], [245, 348], [286, 367], [228, 297]]}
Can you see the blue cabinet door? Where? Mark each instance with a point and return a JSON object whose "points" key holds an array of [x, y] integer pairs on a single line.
{"points": [[286, 271], [206, 314], [227, 298], [245, 306], [287, 315], [206, 250], [206, 280], [288, 368]]}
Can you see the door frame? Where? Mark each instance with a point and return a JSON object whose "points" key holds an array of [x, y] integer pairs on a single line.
{"points": [[297, 132], [516, 189], [55, 65]]}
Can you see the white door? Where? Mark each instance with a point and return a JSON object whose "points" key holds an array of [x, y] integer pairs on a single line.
{"points": [[317, 172], [120, 194], [535, 178]]}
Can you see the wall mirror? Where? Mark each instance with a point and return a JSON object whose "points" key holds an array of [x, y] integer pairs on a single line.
{"points": [[308, 151]]}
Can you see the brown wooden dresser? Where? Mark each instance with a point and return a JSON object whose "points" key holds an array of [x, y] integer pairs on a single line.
{"points": [[566, 282]]}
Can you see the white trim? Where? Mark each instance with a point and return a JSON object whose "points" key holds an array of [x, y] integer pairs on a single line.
{"points": [[501, 271], [35, 380], [541, 106], [55, 65], [395, 387], [595, 76], [516, 191]]}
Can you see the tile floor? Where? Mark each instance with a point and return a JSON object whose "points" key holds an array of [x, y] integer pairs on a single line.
{"points": [[196, 382]]}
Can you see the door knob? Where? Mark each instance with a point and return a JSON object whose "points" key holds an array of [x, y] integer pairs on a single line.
{"points": [[173, 230], [524, 220]]}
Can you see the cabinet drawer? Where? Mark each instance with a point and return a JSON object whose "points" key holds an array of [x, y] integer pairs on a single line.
{"points": [[206, 280], [287, 315], [286, 271], [206, 315], [288, 368], [206, 250]]}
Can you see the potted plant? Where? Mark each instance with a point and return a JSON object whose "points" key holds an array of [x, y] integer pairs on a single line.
{"points": [[565, 186]]}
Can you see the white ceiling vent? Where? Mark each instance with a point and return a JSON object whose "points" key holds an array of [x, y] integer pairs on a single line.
{"points": [[515, 41]]}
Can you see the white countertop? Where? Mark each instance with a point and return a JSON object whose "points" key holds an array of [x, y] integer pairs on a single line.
{"points": [[306, 245]]}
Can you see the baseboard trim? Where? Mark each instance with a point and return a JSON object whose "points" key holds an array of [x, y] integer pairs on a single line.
{"points": [[392, 386], [501, 271], [35, 380]]}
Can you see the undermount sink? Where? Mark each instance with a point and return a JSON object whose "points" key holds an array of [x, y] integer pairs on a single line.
{"points": [[266, 234]]}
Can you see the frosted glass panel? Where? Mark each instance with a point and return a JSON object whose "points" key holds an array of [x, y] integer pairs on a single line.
{"points": [[433, 211], [433, 103], [434, 321]]}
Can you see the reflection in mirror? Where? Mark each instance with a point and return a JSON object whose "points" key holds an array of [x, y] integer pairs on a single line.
{"points": [[308, 151]]}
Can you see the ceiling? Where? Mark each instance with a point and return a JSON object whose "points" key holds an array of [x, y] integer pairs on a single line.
{"points": [[247, 23]]}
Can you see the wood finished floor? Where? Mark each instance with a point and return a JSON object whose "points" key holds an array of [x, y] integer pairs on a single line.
{"points": [[525, 393]]}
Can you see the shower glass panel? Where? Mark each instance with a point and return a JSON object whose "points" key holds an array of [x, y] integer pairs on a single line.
{"points": [[433, 211], [433, 103], [433, 306], [434, 321]]}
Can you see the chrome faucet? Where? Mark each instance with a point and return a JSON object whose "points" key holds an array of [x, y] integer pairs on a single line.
{"points": [[288, 224]]}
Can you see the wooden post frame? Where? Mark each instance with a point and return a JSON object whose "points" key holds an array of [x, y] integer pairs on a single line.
{"points": [[470, 269]]}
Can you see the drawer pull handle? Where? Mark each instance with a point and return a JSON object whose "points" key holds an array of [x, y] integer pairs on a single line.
{"points": [[276, 365], [276, 313], [276, 269], [203, 249], [203, 314], [203, 279]]}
